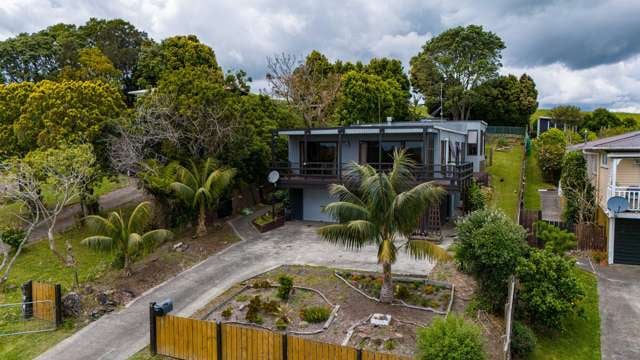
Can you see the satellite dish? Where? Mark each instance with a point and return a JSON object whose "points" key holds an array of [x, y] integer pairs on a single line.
{"points": [[273, 176], [617, 204]]}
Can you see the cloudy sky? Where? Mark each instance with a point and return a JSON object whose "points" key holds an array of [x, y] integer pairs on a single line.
{"points": [[584, 52]]}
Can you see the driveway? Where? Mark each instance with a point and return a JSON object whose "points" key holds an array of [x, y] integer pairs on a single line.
{"points": [[120, 335], [619, 289]]}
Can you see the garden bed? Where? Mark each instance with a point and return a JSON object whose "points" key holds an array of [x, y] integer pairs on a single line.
{"points": [[266, 222]]}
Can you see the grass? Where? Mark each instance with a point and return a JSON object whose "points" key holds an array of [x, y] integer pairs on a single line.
{"points": [[581, 339], [534, 181], [546, 112], [505, 178], [104, 186], [37, 263]]}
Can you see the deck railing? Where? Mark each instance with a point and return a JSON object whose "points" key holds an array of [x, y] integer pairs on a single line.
{"points": [[631, 194], [330, 171]]}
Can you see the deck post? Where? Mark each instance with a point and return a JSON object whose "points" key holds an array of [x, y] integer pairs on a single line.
{"points": [[339, 169], [273, 148], [380, 132], [303, 162]]}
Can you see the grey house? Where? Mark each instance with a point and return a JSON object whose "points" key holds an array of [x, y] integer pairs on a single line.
{"points": [[447, 152]]}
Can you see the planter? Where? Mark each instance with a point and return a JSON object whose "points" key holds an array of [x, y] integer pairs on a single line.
{"points": [[279, 221]]}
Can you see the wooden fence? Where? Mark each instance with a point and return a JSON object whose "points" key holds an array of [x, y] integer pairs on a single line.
{"points": [[192, 339], [42, 301], [591, 237]]}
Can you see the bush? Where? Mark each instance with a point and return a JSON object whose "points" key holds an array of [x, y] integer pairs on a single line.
{"points": [[253, 310], [286, 285], [551, 147], [315, 314], [523, 340], [12, 236], [556, 240], [402, 292], [489, 246], [577, 189], [549, 289], [477, 198], [450, 338], [261, 284], [226, 313]]}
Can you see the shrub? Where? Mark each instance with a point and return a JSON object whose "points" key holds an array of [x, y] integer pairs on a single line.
{"points": [[389, 344], [523, 340], [12, 236], [489, 246], [253, 310], [315, 314], [555, 239], [402, 292], [502, 142], [261, 284], [477, 199], [552, 144], [450, 338], [271, 307], [281, 324], [226, 313], [577, 189], [549, 289], [286, 285]]}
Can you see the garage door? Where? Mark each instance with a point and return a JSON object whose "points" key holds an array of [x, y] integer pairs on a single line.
{"points": [[627, 242]]}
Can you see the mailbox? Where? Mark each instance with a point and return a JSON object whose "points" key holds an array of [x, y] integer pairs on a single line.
{"points": [[163, 308]]}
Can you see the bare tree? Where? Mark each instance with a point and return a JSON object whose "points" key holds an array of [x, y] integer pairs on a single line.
{"points": [[202, 132], [310, 91]]}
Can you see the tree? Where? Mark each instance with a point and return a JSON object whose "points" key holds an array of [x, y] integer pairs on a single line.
{"points": [[567, 114], [310, 87], [367, 98], [506, 100], [119, 41], [92, 65], [450, 338], [581, 202], [200, 186], [382, 208], [489, 246], [124, 235], [70, 112], [600, 119], [175, 53], [28, 57], [459, 59], [12, 98], [551, 145]]}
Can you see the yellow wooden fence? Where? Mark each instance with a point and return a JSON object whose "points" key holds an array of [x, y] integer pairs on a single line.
{"points": [[43, 296], [193, 339]]}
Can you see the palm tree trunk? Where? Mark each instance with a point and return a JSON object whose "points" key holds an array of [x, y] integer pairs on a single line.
{"points": [[386, 293], [127, 266], [202, 222]]}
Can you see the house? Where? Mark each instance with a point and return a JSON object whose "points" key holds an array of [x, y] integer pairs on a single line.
{"points": [[447, 152], [613, 166], [545, 123]]}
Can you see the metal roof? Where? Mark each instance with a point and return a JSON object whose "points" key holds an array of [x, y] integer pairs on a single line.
{"points": [[397, 127], [627, 141]]}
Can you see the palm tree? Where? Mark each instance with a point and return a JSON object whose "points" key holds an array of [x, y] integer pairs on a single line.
{"points": [[122, 234], [200, 186], [382, 209]]}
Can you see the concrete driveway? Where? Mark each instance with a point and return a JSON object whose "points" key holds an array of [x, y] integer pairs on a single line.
{"points": [[619, 289], [121, 334]]}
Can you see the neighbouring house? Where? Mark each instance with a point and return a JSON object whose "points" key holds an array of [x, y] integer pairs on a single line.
{"points": [[447, 152], [545, 123], [613, 165]]}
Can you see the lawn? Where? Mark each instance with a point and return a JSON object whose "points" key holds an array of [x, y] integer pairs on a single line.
{"points": [[581, 339], [505, 177], [534, 181]]}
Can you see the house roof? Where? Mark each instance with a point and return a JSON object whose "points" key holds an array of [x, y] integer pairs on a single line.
{"points": [[627, 141]]}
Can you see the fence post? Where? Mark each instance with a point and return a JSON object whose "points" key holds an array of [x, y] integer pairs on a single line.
{"points": [[219, 340], [27, 299], [153, 341], [285, 350], [58, 302], [358, 354]]}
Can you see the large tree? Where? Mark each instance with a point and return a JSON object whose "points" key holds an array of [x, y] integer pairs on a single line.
{"points": [[29, 57], [506, 100], [459, 60], [12, 98], [173, 54], [368, 98], [92, 64], [382, 209], [568, 114], [601, 119]]}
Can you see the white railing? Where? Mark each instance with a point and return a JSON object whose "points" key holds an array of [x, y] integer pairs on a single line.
{"points": [[631, 194]]}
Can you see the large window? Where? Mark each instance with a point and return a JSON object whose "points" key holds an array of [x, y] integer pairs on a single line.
{"points": [[321, 157], [472, 142], [370, 151]]}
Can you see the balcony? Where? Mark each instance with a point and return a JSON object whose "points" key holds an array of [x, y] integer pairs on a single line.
{"points": [[294, 173], [632, 194]]}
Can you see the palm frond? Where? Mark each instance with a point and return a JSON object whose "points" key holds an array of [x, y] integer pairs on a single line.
{"points": [[134, 242], [219, 180], [401, 174], [140, 217], [344, 194], [355, 173], [387, 252], [156, 236], [183, 191], [187, 177], [98, 242], [422, 249], [408, 206], [343, 211], [352, 235], [99, 225]]}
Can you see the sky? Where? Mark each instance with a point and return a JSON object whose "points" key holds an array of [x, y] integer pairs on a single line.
{"points": [[580, 52]]}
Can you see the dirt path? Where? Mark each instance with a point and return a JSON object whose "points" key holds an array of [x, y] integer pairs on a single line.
{"points": [[110, 201]]}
